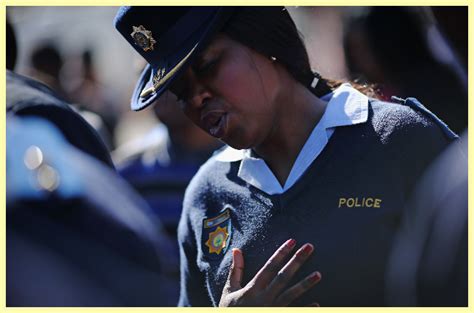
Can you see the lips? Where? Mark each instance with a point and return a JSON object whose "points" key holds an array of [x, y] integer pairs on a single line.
{"points": [[215, 122]]}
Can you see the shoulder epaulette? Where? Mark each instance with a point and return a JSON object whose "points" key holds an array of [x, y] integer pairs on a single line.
{"points": [[417, 106]]}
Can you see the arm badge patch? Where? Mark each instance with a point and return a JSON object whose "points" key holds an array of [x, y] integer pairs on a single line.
{"points": [[216, 233]]}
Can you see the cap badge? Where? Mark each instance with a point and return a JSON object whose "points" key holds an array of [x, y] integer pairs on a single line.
{"points": [[143, 38], [158, 76]]}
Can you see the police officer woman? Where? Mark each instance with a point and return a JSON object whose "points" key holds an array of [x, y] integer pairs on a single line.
{"points": [[308, 160]]}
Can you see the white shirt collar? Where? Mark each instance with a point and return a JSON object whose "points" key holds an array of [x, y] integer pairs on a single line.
{"points": [[346, 106]]}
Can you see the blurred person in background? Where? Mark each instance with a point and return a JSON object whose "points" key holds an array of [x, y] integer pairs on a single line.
{"points": [[310, 159], [46, 63], [83, 87], [428, 263], [453, 23], [77, 234], [403, 50], [28, 97]]}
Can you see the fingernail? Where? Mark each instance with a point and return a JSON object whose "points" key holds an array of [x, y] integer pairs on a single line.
{"points": [[291, 243], [308, 248], [314, 277]]}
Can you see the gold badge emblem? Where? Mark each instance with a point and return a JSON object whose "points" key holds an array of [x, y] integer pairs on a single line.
{"points": [[217, 240], [143, 38], [158, 77]]}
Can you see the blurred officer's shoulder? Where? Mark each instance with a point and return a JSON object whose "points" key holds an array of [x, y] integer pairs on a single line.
{"points": [[74, 225], [28, 97], [23, 92], [428, 264]]}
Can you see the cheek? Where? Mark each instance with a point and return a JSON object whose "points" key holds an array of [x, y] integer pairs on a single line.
{"points": [[238, 83], [192, 115]]}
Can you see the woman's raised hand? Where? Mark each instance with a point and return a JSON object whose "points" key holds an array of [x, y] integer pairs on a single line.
{"points": [[269, 285]]}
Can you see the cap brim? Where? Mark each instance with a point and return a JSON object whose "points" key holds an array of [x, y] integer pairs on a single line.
{"points": [[146, 91]]}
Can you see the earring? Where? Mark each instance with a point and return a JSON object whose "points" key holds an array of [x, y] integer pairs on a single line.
{"points": [[273, 58]]}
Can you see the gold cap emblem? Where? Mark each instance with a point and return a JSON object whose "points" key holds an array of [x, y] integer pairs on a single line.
{"points": [[143, 38], [160, 74]]}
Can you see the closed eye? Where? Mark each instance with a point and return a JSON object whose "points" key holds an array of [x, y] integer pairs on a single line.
{"points": [[180, 90], [206, 68]]}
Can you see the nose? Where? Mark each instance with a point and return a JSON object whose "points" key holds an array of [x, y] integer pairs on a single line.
{"points": [[200, 94]]}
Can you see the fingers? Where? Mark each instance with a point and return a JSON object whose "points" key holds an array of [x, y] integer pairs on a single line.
{"points": [[288, 271], [236, 271], [271, 280], [274, 263], [297, 290]]}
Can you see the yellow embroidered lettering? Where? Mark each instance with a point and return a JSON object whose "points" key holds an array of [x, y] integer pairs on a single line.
{"points": [[357, 202], [342, 201], [371, 204], [350, 202]]}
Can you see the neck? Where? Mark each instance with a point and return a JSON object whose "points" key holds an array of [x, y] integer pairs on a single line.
{"points": [[298, 113]]}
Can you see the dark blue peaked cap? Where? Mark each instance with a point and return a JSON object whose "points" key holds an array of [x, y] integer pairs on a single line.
{"points": [[168, 38]]}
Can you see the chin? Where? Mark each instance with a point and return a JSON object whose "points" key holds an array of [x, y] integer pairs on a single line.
{"points": [[236, 144]]}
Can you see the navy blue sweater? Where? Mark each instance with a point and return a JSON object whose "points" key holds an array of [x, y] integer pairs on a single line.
{"points": [[347, 204]]}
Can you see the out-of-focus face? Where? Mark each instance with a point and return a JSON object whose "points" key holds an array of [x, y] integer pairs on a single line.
{"points": [[168, 112], [230, 91]]}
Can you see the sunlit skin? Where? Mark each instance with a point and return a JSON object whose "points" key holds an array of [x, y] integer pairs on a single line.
{"points": [[262, 106]]}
